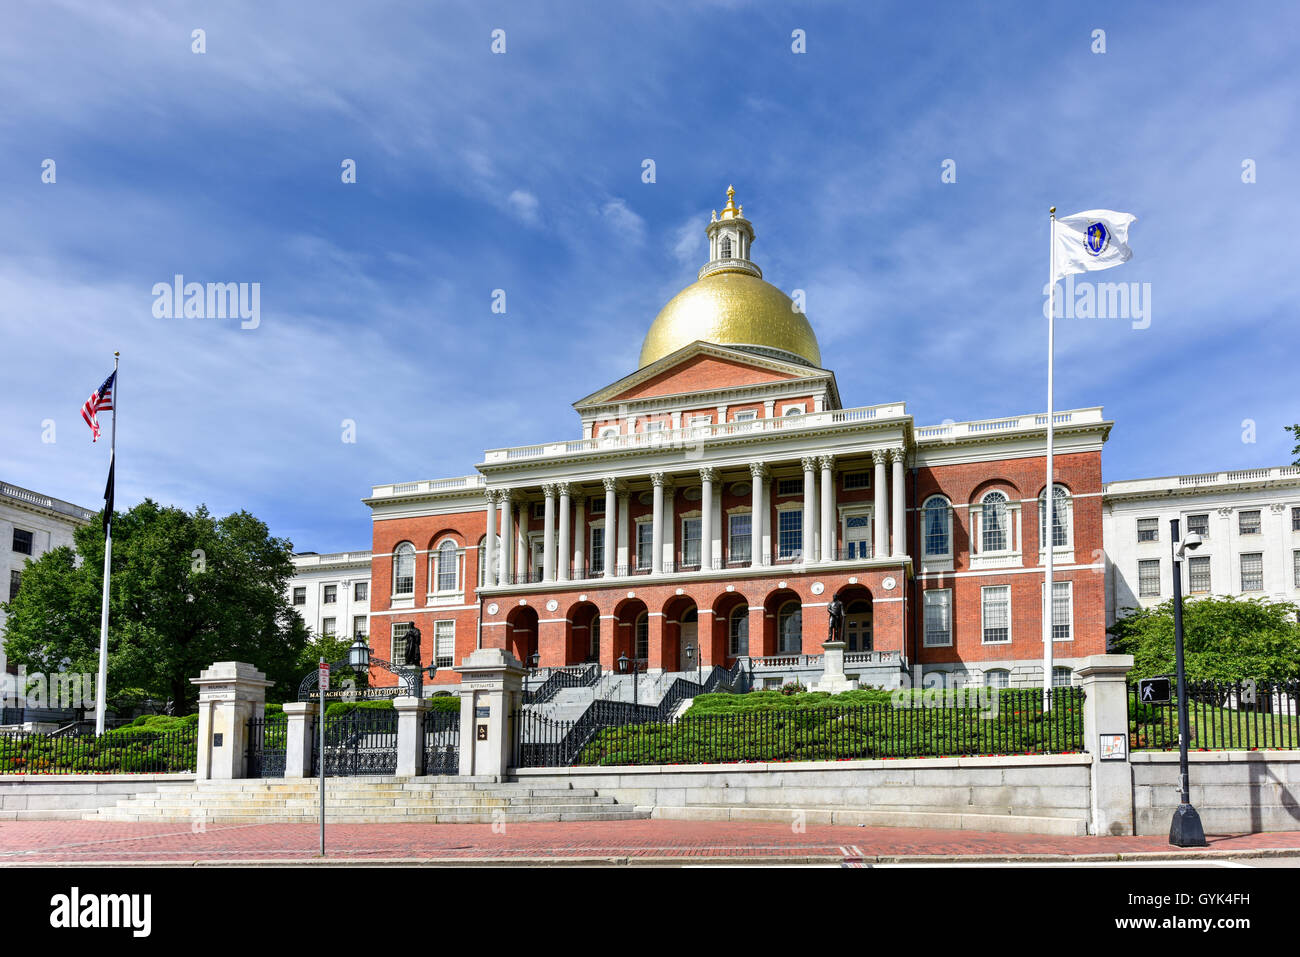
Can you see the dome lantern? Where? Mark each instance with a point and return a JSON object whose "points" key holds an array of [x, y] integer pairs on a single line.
{"points": [[730, 237]]}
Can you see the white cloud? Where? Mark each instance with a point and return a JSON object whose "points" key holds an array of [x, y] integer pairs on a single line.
{"points": [[524, 204], [624, 220]]}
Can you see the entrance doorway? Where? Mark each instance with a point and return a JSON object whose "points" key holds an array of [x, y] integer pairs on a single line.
{"points": [[857, 626]]}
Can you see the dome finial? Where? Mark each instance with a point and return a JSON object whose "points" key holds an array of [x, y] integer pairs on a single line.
{"points": [[729, 211]]}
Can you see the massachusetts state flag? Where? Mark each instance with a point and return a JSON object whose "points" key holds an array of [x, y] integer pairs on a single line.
{"points": [[1094, 239], [100, 400]]}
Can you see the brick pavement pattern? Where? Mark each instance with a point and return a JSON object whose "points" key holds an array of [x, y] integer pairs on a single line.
{"points": [[86, 842]]}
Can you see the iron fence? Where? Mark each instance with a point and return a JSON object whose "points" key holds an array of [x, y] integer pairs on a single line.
{"points": [[617, 733], [267, 746], [442, 742], [125, 751], [1221, 715], [362, 742]]}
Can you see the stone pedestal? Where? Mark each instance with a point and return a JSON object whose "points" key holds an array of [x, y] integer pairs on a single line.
{"points": [[833, 680], [230, 693], [299, 739], [1104, 679], [410, 735], [491, 682]]}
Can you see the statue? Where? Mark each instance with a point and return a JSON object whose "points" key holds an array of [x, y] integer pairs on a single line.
{"points": [[412, 656], [836, 611]]}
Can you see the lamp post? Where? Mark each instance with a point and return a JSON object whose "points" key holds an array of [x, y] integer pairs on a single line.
{"points": [[1185, 830], [622, 667], [690, 656]]}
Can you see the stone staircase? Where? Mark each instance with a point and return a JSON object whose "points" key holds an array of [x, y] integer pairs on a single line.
{"points": [[368, 800]]}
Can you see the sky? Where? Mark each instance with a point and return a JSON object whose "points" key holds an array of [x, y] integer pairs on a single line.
{"points": [[376, 355]]}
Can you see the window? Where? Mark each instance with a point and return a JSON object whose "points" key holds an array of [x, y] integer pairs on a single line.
{"points": [[444, 644], [361, 591], [16, 580], [1149, 578], [698, 421], [300, 596], [749, 415], [644, 543], [593, 644], [448, 562], [1252, 571], [938, 617], [997, 678], [994, 527], [789, 533], [789, 629], [598, 548], [1248, 522], [1060, 518], [360, 627], [855, 480], [22, 541], [598, 505], [690, 541], [482, 556], [1198, 574], [331, 595], [404, 569], [739, 538], [1295, 519], [1062, 677], [400, 631], [936, 526], [726, 247], [538, 511], [996, 613], [1295, 568], [1200, 524], [793, 410], [789, 486], [857, 536], [327, 626], [1148, 529], [1062, 611], [642, 629], [738, 632]]}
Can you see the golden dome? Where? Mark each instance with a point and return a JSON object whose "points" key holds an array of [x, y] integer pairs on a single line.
{"points": [[732, 309]]}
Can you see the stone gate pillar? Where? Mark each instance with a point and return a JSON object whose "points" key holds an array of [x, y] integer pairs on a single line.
{"points": [[299, 740], [230, 693], [1104, 679], [491, 682], [410, 735]]}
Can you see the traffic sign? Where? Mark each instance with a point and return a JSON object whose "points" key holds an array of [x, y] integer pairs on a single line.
{"points": [[324, 683], [1153, 690]]}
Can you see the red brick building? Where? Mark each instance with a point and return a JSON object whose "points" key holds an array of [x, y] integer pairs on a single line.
{"points": [[720, 495]]}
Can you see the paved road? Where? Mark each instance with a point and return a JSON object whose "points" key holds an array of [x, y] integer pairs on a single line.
{"points": [[645, 842]]}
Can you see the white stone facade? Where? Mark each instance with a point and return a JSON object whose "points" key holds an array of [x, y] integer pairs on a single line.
{"points": [[1241, 515], [332, 592]]}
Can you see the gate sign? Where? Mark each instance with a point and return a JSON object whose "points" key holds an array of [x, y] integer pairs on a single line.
{"points": [[1153, 690], [324, 681]]}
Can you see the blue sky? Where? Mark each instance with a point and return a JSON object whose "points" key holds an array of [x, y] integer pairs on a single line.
{"points": [[522, 171]]}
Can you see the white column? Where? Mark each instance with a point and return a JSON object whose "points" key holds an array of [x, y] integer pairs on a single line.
{"points": [[809, 464], [611, 524], [670, 523], [622, 528], [899, 502], [507, 535], [563, 553], [719, 522], [827, 463], [706, 518], [758, 471], [580, 535], [490, 541], [548, 535], [523, 553], [879, 519], [657, 525]]}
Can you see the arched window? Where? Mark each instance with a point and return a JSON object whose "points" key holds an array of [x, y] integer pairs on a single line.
{"points": [[726, 247], [936, 525], [994, 527], [404, 569], [642, 630], [997, 678], [789, 628], [1060, 518], [738, 632], [448, 561]]}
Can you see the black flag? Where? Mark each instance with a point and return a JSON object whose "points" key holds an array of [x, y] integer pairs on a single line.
{"points": [[108, 495]]}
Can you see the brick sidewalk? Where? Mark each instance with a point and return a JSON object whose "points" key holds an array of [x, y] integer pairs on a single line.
{"points": [[643, 841]]}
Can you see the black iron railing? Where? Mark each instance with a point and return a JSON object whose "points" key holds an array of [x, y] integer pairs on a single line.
{"points": [[441, 742], [267, 746], [363, 742], [1221, 715], [124, 751]]}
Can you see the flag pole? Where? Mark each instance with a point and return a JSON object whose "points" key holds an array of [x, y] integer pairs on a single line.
{"points": [[1049, 496], [101, 686]]}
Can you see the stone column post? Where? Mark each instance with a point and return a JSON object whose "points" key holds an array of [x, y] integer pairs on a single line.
{"points": [[1104, 679], [299, 740], [809, 464], [899, 502], [548, 534], [657, 525], [490, 541], [828, 507], [879, 518], [564, 550], [670, 524], [706, 518], [611, 525], [623, 513], [580, 536], [507, 535], [491, 680], [410, 735], [758, 472], [230, 693]]}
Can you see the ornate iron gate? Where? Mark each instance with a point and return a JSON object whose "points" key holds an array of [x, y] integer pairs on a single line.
{"points": [[266, 746], [363, 742], [442, 742]]}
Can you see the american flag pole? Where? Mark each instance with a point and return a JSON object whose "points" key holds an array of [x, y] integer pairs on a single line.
{"points": [[101, 686]]}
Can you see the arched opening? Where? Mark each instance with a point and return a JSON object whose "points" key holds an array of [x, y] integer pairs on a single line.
{"points": [[632, 619], [521, 633], [859, 635], [584, 642], [782, 625], [681, 635]]}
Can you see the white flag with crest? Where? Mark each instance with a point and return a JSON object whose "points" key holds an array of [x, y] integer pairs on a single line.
{"points": [[1094, 239]]}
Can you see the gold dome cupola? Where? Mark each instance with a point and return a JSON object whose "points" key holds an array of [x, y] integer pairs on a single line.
{"points": [[730, 304]]}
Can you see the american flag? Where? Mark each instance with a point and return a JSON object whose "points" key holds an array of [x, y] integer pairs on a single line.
{"points": [[100, 400]]}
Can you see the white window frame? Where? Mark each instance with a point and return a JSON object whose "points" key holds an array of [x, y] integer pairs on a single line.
{"points": [[1003, 673], [365, 620], [1069, 598], [325, 596], [437, 638], [984, 598], [1209, 574], [594, 563], [361, 591], [796, 554], [858, 511], [329, 626], [797, 409], [644, 522], [798, 491], [482, 556], [398, 553], [1259, 522], [1203, 532], [746, 538], [1139, 529], [394, 635], [698, 518], [925, 533], [1241, 571], [745, 415], [780, 637], [1062, 671], [299, 591], [1010, 555], [436, 557], [937, 598], [637, 639], [1066, 550]]}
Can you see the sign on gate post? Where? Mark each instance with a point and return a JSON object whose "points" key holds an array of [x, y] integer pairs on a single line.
{"points": [[324, 686]]}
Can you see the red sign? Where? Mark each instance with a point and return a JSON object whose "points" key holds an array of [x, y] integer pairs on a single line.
{"points": [[324, 677]]}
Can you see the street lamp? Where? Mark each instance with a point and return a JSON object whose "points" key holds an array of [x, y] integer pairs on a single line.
{"points": [[622, 667], [690, 656], [359, 656], [1185, 830], [535, 659]]}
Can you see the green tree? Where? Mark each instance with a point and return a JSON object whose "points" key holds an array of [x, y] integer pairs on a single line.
{"points": [[1295, 434], [187, 589], [1223, 639]]}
